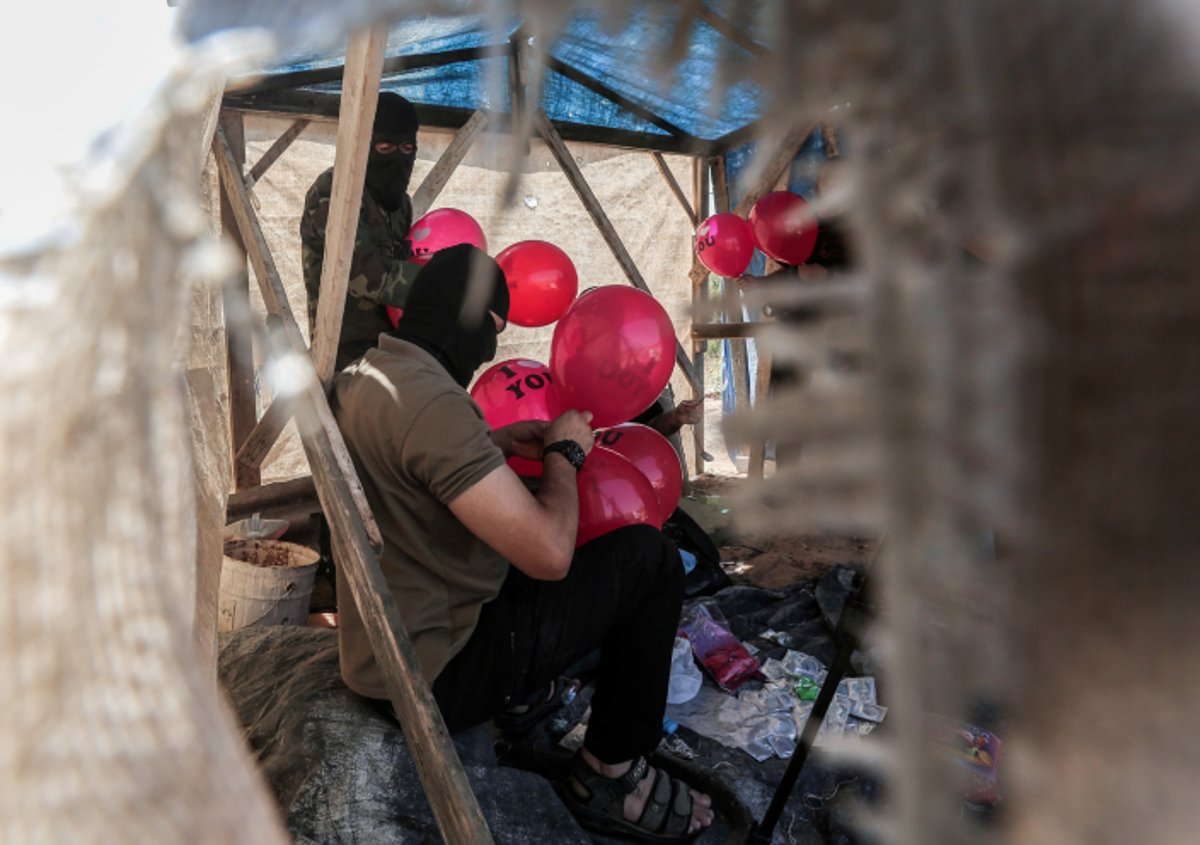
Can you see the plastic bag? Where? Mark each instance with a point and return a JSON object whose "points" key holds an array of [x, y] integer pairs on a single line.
{"points": [[685, 674], [719, 651]]}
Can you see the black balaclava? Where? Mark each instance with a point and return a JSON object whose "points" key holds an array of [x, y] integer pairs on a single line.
{"points": [[388, 175], [446, 312]]}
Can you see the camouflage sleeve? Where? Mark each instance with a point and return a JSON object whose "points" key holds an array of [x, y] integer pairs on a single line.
{"points": [[379, 273]]}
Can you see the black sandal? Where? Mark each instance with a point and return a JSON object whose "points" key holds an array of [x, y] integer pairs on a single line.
{"points": [[665, 818], [520, 720]]}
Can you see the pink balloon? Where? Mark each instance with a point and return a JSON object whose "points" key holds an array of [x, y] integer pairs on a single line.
{"points": [[542, 282], [394, 314], [725, 245], [612, 494], [442, 228], [514, 390], [612, 353], [654, 457], [784, 227]]}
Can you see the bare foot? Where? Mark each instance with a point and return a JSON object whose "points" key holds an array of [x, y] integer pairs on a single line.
{"points": [[635, 802]]}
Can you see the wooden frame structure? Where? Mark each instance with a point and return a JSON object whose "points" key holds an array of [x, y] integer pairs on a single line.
{"points": [[356, 538]]}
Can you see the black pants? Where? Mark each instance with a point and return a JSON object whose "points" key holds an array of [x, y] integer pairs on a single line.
{"points": [[623, 595]]}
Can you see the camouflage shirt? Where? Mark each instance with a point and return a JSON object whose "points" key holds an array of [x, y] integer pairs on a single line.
{"points": [[379, 274]]}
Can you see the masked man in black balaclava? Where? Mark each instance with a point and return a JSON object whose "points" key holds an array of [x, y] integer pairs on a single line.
{"points": [[497, 600], [380, 274]]}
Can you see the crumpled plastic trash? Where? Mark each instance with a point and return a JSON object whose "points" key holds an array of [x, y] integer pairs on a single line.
{"points": [[718, 650], [686, 678]]}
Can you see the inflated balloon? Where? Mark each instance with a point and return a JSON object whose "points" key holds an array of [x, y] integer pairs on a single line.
{"points": [[514, 390], [442, 228], [613, 493], [654, 457], [542, 282], [784, 227], [725, 245], [612, 353], [394, 314]]}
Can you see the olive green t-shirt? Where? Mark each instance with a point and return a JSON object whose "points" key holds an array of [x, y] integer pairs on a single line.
{"points": [[418, 441]]}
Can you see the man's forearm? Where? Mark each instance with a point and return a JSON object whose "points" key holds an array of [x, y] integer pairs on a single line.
{"points": [[559, 497]]}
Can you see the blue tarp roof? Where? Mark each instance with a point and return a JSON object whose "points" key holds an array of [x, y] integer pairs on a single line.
{"points": [[600, 78]]}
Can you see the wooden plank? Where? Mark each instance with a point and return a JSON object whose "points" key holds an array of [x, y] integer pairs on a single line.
{"points": [[726, 331], [673, 184], [756, 466], [266, 496], [243, 402], [360, 92], [275, 151], [323, 106], [258, 445], [356, 545], [447, 163], [567, 162], [731, 32]]}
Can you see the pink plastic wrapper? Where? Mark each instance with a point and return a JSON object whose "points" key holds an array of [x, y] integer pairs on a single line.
{"points": [[719, 651]]}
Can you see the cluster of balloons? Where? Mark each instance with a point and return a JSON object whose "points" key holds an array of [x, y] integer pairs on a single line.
{"points": [[612, 353], [781, 225]]}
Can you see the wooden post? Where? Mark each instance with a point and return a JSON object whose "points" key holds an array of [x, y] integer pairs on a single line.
{"points": [[243, 402], [447, 163], [565, 160], [356, 544], [755, 466], [274, 152], [360, 92], [699, 297]]}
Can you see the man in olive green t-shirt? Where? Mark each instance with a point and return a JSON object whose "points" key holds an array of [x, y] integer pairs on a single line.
{"points": [[494, 594]]}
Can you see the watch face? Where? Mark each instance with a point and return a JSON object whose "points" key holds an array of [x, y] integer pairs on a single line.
{"points": [[570, 450]]}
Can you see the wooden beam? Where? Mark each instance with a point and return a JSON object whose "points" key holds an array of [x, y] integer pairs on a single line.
{"points": [[266, 496], [323, 106], [395, 64], [356, 546], [360, 92], [725, 331], [674, 186], [597, 87], [575, 176], [258, 444], [275, 151], [447, 163], [731, 32], [756, 465], [699, 297], [243, 402]]}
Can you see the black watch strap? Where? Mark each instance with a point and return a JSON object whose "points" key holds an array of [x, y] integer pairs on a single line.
{"points": [[570, 450]]}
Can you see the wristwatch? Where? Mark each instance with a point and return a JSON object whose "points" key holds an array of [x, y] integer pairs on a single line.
{"points": [[570, 450]]}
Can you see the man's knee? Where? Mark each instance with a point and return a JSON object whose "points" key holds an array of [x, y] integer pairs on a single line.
{"points": [[651, 553]]}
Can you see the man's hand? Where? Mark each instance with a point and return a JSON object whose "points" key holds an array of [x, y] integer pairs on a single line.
{"points": [[571, 425], [687, 412], [524, 438]]}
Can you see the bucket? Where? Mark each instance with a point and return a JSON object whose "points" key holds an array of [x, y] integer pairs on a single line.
{"points": [[265, 582]]}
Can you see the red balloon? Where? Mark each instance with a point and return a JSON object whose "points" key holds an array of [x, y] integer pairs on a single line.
{"points": [[541, 282], [514, 390], [784, 227], [612, 494], [612, 353], [654, 457], [725, 245], [442, 228], [394, 314]]}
